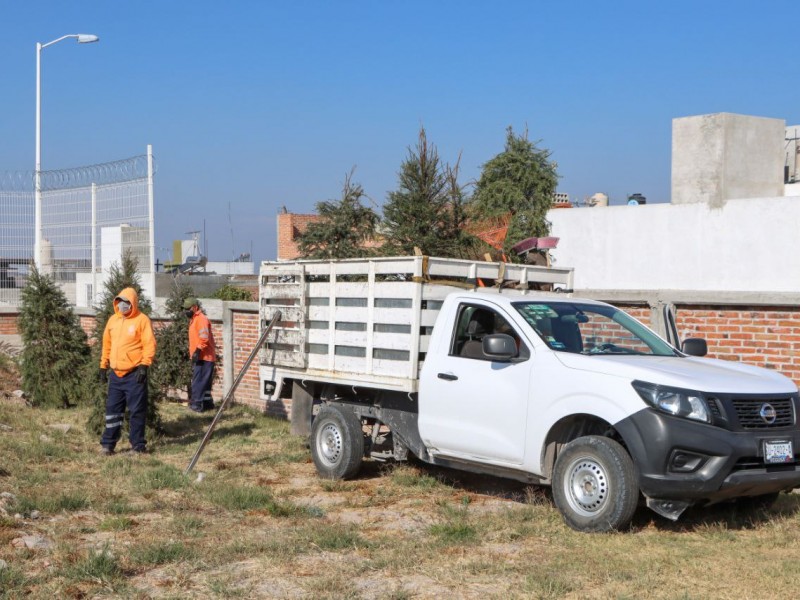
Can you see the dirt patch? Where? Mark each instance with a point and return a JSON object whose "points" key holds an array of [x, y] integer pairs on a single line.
{"points": [[10, 381]]}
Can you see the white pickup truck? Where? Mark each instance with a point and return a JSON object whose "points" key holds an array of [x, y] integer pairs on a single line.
{"points": [[384, 357]]}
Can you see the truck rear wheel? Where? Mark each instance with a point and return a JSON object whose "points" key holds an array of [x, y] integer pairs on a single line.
{"points": [[337, 442], [594, 485]]}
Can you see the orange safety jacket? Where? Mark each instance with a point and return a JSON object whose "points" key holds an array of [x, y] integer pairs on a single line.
{"points": [[128, 340], [201, 336]]}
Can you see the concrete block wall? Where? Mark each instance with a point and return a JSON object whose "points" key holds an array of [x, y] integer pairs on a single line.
{"points": [[721, 156], [745, 245]]}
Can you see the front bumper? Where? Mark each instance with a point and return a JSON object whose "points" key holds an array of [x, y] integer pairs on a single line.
{"points": [[729, 464]]}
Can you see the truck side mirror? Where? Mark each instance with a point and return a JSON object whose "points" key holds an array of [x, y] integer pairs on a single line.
{"points": [[694, 347], [499, 346]]}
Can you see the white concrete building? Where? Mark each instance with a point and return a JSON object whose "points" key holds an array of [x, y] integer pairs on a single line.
{"points": [[731, 225]]}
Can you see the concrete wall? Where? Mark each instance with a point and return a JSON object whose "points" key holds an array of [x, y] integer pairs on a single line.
{"points": [[720, 156], [744, 245], [203, 285]]}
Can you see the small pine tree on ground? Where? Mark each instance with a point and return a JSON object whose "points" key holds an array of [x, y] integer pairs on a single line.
{"points": [[173, 369], [55, 351], [120, 277]]}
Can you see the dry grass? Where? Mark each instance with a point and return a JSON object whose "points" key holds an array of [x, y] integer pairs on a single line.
{"points": [[260, 524]]}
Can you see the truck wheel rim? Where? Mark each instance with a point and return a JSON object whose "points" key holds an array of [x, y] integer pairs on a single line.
{"points": [[329, 443], [586, 486]]}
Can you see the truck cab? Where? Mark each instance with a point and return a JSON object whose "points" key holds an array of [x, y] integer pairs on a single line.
{"points": [[589, 400]]}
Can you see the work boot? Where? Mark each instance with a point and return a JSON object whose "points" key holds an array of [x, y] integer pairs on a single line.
{"points": [[106, 451]]}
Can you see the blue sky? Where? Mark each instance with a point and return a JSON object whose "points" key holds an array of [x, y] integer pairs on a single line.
{"points": [[254, 105]]}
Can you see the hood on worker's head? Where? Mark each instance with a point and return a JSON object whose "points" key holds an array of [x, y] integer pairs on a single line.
{"points": [[131, 296]]}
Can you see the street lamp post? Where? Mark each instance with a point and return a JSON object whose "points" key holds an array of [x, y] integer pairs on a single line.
{"points": [[82, 38]]}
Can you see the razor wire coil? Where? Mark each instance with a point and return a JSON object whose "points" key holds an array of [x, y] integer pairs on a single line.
{"points": [[118, 171]]}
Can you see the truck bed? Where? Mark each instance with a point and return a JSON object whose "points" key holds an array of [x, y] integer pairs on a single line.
{"points": [[367, 322]]}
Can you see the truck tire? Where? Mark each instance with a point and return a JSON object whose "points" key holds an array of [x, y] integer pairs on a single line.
{"points": [[337, 442], [595, 485]]}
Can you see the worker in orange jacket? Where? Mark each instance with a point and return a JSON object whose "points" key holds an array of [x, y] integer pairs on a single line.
{"points": [[203, 353], [128, 350]]}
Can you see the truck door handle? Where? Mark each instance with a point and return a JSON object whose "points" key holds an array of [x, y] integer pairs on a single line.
{"points": [[447, 376]]}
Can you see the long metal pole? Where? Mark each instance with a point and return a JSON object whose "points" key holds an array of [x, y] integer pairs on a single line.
{"points": [[37, 209], [229, 395], [94, 245], [151, 213]]}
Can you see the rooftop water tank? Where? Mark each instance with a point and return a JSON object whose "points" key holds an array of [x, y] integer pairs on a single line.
{"points": [[598, 199]]}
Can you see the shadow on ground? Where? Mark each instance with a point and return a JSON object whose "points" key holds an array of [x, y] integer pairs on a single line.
{"points": [[732, 515]]}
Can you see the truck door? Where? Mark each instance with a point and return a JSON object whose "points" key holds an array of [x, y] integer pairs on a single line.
{"points": [[471, 406]]}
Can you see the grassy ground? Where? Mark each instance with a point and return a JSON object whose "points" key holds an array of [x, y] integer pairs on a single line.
{"points": [[254, 521]]}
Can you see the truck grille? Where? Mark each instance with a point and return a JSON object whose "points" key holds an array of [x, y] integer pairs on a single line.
{"points": [[749, 412]]}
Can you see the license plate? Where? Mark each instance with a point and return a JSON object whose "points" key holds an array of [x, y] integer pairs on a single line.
{"points": [[778, 452]]}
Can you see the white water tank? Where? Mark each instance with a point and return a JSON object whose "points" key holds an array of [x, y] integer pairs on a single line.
{"points": [[598, 199]]}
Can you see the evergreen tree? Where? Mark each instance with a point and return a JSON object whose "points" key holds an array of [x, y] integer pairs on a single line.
{"points": [[345, 228], [427, 209], [520, 181], [460, 244], [55, 351], [233, 293], [119, 277], [172, 368]]}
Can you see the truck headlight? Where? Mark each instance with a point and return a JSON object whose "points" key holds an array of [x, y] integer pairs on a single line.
{"points": [[674, 401]]}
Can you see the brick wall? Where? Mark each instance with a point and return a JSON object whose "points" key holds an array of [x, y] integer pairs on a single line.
{"points": [[8, 324], [245, 336], [764, 336], [290, 226], [768, 337], [217, 389]]}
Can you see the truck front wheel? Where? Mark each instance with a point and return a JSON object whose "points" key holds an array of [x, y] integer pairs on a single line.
{"points": [[594, 485], [337, 443]]}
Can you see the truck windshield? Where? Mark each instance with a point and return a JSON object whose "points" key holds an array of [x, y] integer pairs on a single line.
{"points": [[591, 329]]}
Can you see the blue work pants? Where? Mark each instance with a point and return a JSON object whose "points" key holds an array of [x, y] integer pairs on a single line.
{"points": [[202, 377], [125, 391]]}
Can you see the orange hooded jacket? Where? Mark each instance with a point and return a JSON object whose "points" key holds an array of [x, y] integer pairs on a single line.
{"points": [[201, 337], [128, 340]]}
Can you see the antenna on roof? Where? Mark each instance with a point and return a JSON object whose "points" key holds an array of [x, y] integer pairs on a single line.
{"points": [[230, 224]]}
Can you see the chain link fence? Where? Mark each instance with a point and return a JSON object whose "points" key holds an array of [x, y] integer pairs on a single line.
{"points": [[90, 216]]}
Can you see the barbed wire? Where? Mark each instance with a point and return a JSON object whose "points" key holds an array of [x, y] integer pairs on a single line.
{"points": [[118, 171], [16, 181]]}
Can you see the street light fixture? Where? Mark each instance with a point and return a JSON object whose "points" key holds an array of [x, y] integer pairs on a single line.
{"points": [[82, 38]]}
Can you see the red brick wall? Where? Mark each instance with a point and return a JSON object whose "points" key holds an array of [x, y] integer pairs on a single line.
{"points": [[8, 324], [640, 313], [245, 336], [87, 324], [290, 226], [217, 391], [764, 336]]}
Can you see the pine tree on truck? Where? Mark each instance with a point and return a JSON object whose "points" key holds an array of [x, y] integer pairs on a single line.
{"points": [[390, 356]]}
